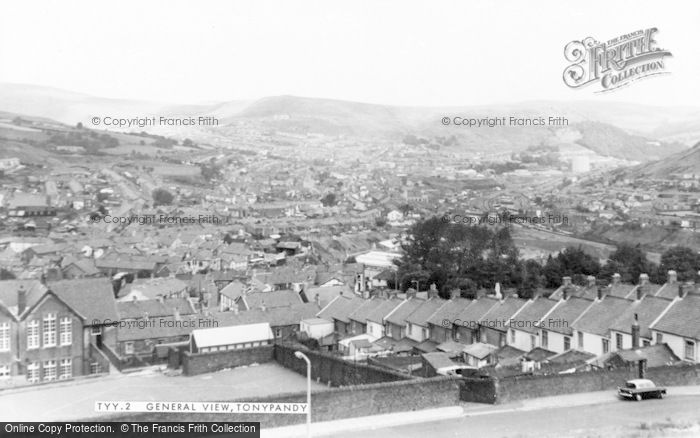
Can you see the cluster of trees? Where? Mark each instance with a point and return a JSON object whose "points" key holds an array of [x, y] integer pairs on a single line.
{"points": [[470, 258], [162, 197], [90, 140]]}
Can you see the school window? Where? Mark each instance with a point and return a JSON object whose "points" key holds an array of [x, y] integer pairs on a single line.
{"points": [[606, 346], [567, 343], [49, 370], [659, 338], [512, 336], [33, 334], [49, 330], [129, 348], [5, 336], [690, 350], [33, 372], [66, 370], [545, 339], [66, 329], [618, 341], [4, 371], [580, 340]]}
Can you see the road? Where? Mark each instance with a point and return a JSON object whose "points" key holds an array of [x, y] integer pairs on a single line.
{"points": [[76, 400], [610, 418]]}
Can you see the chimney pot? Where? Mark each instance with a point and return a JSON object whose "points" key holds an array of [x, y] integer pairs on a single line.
{"points": [[635, 332], [591, 281], [616, 278], [566, 281], [672, 277], [643, 279], [601, 292]]}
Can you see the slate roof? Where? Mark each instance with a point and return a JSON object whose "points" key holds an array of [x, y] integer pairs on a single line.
{"points": [[449, 311], [398, 316], [91, 298], [498, 317], [154, 308], [682, 318], [438, 360], [383, 308], [340, 308], [479, 350], [667, 290], [327, 293], [277, 298], [363, 310], [277, 317], [562, 317], [528, 319], [421, 315], [601, 315], [8, 293], [647, 309], [471, 314], [539, 354]]}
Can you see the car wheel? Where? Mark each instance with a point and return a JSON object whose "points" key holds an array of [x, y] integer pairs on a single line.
{"points": [[638, 397]]}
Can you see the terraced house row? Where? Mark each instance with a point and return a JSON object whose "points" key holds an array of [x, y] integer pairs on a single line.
{"points": [[591, 319]]}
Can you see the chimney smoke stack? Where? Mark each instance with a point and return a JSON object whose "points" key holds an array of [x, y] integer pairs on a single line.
{"points": [[672, 277], [21, 300], [643, 279], [616, 278], [591, 281], [635, 332]]}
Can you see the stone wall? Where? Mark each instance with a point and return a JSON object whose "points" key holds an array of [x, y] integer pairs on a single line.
{"points": [[199, 363]]}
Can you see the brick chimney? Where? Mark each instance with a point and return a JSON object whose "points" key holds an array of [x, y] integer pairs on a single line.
{"points": [[590, 280], [683, 289], [672, 277], [635, 332], [643, 279], [21, 300], [616, 278], [566, 281], [601, 292], [433, 291]]}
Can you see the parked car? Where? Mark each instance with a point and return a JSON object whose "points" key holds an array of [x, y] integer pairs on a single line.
{"points": [[638, 389]]}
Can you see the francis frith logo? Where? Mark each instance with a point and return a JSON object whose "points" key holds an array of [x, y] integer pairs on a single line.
{"points": [[614, 63]]}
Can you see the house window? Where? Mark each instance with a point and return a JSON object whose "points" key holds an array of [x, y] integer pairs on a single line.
{"points": [[278, 332], [66, 370], [33, 372], [606, 346], [49, 330], [33, 334], [4, 371], [5, 336], [533, 342], [567, 343], [545, 339], [580, 340], [659, 338], [512, 336], [128, 348], [49, 370], [690, 350], [66, 329], [618, 341]]}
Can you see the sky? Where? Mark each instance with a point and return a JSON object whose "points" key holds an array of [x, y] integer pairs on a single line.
{"points": [[422, 53]]}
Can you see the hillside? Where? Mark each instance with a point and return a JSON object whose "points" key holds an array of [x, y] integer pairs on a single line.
{"points": [[686, 161]]}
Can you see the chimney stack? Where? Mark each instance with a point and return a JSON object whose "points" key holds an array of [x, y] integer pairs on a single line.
{"points": [[21, 300], [643, 279], [635, 332], [565, 292], [616, 278], [590, 280], [683, 289], [433, 291], [601, 292], [455, 293], [566, 281], [672, 277]]}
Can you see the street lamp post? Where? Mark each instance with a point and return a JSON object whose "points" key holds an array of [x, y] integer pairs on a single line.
{"points": [[300, 355]]}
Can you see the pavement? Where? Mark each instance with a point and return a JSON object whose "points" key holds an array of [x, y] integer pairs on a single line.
{"points": [[454, 416]]}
